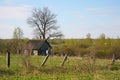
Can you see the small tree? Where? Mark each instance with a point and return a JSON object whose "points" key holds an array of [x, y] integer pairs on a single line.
{"points": [[18, 33], [88, 36], [102, 36], [17, 42]]}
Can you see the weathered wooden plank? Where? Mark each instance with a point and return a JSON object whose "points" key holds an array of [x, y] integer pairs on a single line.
{"points": [[44, 61], [65, 58], [8, 59]]}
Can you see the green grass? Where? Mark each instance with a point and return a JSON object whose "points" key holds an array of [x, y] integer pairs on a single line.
{"points": [[75, 68]]}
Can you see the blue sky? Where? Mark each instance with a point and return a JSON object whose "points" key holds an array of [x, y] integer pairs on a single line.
{"points": [[76, 18]]}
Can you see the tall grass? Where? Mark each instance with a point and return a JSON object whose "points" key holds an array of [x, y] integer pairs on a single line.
{"points": [[75, 68]]}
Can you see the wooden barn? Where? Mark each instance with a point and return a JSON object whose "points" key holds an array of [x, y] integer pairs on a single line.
{"points": [[37, 47]]}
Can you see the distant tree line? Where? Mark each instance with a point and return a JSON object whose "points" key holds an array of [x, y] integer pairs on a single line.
{"points": [[11, 44], [100, 47]]}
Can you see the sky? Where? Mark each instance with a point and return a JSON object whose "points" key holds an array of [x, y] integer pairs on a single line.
{"points": [[76, 18]]}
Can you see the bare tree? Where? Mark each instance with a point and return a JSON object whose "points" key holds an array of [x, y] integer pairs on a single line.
{"points": [[44, 22], [88, 36], [18, 33]]}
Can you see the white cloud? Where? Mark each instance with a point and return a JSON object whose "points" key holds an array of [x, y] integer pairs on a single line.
{"points": [[6, 31], [100, 11], [79, 15], [10, 1], [14, 12], [102, 14], [10, 16]]}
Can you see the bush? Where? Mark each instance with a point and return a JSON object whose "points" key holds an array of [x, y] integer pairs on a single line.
{"points": [[101, 54]]}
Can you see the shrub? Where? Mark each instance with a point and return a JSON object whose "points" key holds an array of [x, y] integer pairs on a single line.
{"points": [[101, 54]]}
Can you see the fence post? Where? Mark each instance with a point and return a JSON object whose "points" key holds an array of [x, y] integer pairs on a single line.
{"points": [[8, 59], [44, 61], [113, 59], [65, 58]]}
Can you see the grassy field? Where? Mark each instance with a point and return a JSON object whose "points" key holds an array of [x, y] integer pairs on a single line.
{"points": [[75, 68]]}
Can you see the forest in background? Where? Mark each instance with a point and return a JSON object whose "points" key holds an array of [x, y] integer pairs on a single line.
{"points": [[101, 47]]}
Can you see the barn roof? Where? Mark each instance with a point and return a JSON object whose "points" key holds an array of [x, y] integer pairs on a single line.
{"points": [[37, 44]]}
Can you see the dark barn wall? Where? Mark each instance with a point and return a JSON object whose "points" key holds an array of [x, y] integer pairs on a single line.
{"points": [[43, 49]]}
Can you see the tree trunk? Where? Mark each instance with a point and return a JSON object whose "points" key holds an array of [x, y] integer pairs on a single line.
{"points": [[43, 36]]}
